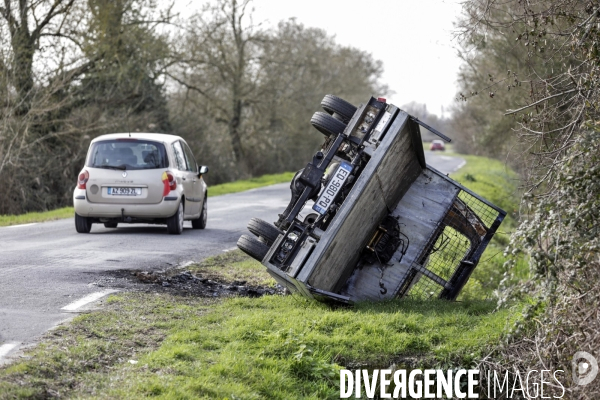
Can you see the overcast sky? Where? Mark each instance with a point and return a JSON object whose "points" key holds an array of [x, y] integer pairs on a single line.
{"points": [[420, 63]]}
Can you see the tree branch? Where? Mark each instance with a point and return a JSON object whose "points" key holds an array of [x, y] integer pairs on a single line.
{"points": [[509, 112], [53, 12], [6, 12]]}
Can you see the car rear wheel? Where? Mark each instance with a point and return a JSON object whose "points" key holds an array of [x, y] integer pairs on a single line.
{"points": [[253, 247], [111, 224], [338, 107], [200, 223], [83, 224], [326, 124], [175, 222], [264, 230]]}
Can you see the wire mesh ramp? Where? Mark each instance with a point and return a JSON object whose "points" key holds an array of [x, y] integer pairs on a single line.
{"points": [[453, 250]]}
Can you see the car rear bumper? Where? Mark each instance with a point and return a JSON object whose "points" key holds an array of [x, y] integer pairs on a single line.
{"points": [[166, 208]]}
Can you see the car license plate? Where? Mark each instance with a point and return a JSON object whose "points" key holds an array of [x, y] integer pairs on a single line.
{"points": [[335, 184], [124, 191]]}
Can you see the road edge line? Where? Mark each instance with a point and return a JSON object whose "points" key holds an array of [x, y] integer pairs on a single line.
{"points": [[87, 299], [6, 348]]}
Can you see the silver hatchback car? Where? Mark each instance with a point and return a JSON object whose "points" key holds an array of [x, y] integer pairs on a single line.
{"points": [[140, 178]]}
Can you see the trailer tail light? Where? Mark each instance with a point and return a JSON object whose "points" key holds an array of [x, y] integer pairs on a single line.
{"points": [[84, 176], [169, 182]]}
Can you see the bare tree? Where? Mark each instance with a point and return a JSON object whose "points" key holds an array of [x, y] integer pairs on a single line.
{"points": [[265, 107], [58, 90], [219, 63], [47, 18]]}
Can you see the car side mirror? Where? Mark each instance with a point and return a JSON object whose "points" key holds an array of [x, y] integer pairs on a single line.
{"points": [[203, 169]]}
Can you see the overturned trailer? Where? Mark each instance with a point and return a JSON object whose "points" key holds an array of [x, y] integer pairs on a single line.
{"points": [[381, 223]]}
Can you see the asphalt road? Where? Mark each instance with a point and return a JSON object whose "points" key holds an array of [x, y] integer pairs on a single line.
{"points": [[47, 270]]}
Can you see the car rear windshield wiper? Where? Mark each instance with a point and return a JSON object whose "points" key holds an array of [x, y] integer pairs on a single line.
{"points": [[121, 167]]}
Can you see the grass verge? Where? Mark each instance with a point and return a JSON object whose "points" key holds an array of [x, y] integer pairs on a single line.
{"points": [[273, 347], [252, 183], [496, 182], [65, 212], [216, 190]]}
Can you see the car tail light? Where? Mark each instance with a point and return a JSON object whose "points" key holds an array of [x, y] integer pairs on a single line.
{"points": [[82, 179], [169, 182]]}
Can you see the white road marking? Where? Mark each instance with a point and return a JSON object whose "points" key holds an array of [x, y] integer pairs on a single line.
{"points": [[185, 264], [19, 226], [231, 249], [446, 158], [7, 348], [87, 299], [462, 164]]}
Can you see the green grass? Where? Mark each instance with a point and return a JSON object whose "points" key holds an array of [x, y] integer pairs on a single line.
{"points": [[233, 266], [252, 183], [274, 347], [494, 181], [7, 220], [216, 190]]}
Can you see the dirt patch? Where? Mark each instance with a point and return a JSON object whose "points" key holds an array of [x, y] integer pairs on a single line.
{"points": [[229, 274], [185, 283]]}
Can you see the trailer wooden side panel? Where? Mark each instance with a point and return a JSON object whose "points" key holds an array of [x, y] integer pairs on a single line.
{"points": [[390, 172]]}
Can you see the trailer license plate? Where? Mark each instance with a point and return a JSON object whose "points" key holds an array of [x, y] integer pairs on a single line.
{"points": [[335, 184], [124, 191]]}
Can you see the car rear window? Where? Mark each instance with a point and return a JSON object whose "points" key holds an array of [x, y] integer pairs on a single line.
{"points": [[127, 154]]}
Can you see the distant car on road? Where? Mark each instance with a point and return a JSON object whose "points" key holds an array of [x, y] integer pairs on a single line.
{"points": [[140, 177], [437, 145]]}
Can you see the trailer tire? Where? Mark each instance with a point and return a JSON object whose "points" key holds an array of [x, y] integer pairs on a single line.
{"points": [[326, 124], [264, 230], [253, 247], [338, 107]]}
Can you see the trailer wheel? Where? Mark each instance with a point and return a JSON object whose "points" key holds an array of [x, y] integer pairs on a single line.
{"points": [[338, 107], [326, 124], [264, 230], [253, 247]]}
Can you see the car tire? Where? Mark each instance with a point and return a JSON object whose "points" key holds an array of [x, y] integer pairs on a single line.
{"points": [[253, 247], [326, 124], [200, 223], [83, 224], [175, 222], [264, 230], [338, 107], [111, 224]]}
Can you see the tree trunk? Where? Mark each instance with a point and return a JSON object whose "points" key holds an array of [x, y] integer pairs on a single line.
{"points": [[234, 130], [22, 69]]}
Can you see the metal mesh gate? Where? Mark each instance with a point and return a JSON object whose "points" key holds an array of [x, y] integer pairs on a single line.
{"points": [[454, 249]]}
